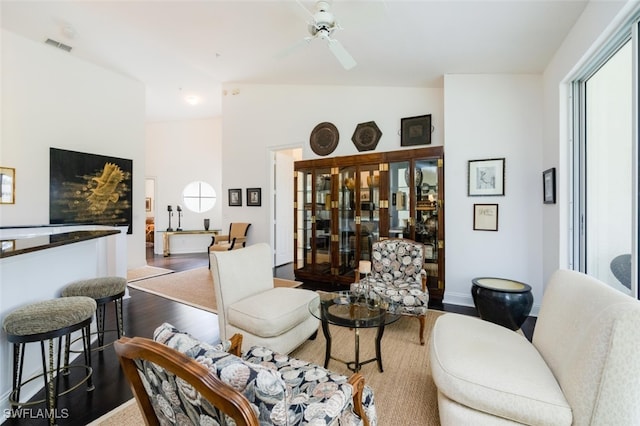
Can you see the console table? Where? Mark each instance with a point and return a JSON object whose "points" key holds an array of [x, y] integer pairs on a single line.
{"points": [[166, 237]]}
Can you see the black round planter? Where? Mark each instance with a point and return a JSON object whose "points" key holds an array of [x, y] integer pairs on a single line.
{"points": [[502, 301]]}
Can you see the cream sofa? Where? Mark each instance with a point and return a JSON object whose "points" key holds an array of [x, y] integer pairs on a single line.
{"points": [[583, 367]]}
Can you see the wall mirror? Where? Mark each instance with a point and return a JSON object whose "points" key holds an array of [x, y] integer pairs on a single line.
{"points": [[8, 185]]}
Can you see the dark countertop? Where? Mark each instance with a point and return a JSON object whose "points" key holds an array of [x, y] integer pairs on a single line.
{"points": [[16, 246]]}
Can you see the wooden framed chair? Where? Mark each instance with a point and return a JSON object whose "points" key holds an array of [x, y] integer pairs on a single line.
{"points": [[136, 356], [235, 239], [177, 379]]}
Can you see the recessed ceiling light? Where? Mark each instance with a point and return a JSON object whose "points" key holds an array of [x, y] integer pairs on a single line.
{"points": [[192, 99]]}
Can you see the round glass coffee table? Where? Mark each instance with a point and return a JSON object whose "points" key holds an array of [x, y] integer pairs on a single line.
{"points": [[347, 309]]}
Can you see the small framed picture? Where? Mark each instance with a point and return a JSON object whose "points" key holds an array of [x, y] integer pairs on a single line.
{"points": [[254, 197], [147, 204], [416, 130], [485, 217], [235, 197], [8, 185], [429, 251], [486, 177], [549, 186]]}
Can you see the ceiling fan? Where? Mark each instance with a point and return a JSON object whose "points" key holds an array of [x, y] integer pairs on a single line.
{"points": [[322, 26]]}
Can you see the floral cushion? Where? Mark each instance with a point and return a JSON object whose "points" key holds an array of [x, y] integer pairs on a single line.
{"points": [[316, 396], [396, 275], [282, 390], [176, 402]]}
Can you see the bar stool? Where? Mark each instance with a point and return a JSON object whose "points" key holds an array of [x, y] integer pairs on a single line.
{"points": [[42, 321], [103, 290]]}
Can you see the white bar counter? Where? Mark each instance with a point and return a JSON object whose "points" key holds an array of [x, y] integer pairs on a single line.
{"points": [[35, 264]]}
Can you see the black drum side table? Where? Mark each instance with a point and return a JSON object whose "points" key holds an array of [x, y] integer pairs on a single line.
{"points": [[502, 301]]}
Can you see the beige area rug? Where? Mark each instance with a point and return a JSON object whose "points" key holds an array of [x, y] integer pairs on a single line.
{"points": [[146, 272], [405, 393], [193, 287]]}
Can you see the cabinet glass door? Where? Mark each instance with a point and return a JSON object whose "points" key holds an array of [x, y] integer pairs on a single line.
{"points": [[399, 203], [313, 221], [304, 213], [426, 214], [369, 230], [322, 225], [347, 196]]}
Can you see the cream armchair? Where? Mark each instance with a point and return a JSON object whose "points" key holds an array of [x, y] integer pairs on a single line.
{"points": [[249, 304]]}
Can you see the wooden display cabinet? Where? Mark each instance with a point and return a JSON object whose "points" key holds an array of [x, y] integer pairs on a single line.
{"points": [[343, 205]]}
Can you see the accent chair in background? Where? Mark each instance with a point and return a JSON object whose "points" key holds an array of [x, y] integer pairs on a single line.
{"points": [[397, 275], [235, 239]]}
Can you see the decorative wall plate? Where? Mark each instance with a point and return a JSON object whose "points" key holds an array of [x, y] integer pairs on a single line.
{"points": [[324, 138], [366, 136]]}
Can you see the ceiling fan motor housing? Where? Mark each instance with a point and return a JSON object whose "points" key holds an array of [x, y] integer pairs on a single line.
{"points": [[322, 17]]}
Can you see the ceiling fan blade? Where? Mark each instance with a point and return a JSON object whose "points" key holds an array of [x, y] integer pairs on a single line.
{"points": [[286, 52], [308, 12], [341, 54]]}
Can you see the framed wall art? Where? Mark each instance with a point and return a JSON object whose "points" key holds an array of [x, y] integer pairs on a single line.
{"points": [[485, 217], [254, 197], [8, 185], [235, 197], [415, 130], [486, 177], [86, 188], [549, 186]]}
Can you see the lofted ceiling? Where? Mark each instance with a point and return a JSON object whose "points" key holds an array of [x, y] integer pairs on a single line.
{"points": [[182, 48]]}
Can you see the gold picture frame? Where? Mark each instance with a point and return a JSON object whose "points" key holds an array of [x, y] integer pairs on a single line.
{"points": [[8, 185]]}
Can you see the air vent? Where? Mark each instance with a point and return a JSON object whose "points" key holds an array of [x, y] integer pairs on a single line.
{"points": [[58, 45]]}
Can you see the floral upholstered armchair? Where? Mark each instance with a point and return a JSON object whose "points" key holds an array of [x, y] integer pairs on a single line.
{"points": [[259, 388], [397, 275]]}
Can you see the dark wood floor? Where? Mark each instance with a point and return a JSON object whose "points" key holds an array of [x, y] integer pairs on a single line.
{"points": [[143, 312]]}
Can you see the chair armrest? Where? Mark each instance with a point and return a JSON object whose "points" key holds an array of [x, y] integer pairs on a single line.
{"points": [[236, 344], [357, 381], [423, 275], [237, 242], [220, 238]]}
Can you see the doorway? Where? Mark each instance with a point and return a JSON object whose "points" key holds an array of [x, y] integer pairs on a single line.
{"points": [[282, 203], [150, 225]]}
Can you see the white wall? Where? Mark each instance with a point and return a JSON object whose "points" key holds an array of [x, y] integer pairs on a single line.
{"points": [[493, 116], [178, 153], [52, 99], [596, 23], [261, 117]]}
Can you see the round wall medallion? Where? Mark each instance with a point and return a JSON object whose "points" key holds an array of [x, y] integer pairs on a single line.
{"points": [[324, 138]]}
